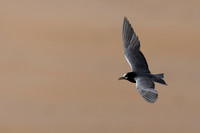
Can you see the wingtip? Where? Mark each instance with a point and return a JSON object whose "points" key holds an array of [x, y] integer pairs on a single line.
{"points": [[150, 95], [125, 18]]}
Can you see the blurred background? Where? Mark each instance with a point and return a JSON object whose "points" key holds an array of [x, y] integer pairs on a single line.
{"points": [[60, 61]]}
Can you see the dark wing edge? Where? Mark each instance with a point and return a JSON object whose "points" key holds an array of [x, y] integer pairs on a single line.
{"points": [[129, 37]]}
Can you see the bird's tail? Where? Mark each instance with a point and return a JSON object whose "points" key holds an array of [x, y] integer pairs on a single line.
{"points": [[159, 78]]}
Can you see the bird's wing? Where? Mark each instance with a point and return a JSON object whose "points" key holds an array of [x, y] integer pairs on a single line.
{"points": [[146, 89], [131, 46]]}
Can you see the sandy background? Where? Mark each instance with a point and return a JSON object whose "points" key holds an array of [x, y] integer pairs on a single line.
{"points": [[60, 60]]}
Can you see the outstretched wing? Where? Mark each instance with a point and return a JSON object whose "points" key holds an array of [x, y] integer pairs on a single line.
{"points": [[146, 89], [131, 46]]}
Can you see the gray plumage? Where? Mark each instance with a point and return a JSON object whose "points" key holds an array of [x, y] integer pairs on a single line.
{"points": [[140, 74], [146, 89]]}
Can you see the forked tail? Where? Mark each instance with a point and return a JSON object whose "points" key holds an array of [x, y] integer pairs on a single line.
{"points": [[159, 78]]}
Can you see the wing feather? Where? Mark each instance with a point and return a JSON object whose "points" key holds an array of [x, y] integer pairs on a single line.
{"points": [[131, 46], [146, 89]]}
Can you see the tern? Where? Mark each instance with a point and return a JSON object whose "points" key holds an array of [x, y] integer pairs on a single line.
{"points": [[140, 74]]}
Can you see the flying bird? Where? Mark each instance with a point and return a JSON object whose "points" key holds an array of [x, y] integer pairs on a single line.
{"points": [[140, 74]]}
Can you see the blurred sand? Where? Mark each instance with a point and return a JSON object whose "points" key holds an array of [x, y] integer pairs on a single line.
{"points": [[60, 61]]}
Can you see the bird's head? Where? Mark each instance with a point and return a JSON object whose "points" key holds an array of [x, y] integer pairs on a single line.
{"points": [[128, 76]]}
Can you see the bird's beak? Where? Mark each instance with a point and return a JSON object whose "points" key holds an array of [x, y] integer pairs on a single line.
{"points": [[121, 78]]}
